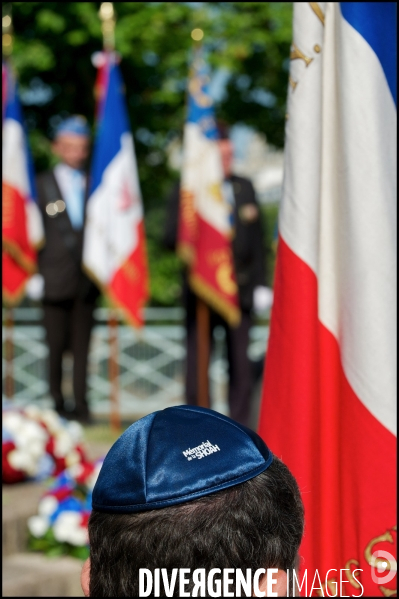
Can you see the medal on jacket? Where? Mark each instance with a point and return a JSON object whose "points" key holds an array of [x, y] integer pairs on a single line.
{"points": [[248, 213], [54, 208]]}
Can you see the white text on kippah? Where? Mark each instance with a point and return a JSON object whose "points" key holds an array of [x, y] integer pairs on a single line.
{"points": [[201, 451]]}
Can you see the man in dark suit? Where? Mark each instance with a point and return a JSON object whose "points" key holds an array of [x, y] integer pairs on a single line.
{"points": [[249, 262], [69, 296]]}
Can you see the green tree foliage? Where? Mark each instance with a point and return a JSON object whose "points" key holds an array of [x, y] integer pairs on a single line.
{"points": [[53, 45]]}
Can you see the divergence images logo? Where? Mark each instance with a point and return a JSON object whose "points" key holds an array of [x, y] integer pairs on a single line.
{"points": [[201, 451], [383, 561]]}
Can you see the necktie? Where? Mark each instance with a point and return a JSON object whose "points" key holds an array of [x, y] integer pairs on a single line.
{"points": [[74, 201], [228, 195]]}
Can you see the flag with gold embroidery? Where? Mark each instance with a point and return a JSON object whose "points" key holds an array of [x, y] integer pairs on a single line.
{"points": [[114, 249], [22, 226], [329, 398], [204, 230]]}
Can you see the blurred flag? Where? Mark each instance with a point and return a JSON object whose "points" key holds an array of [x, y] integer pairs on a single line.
{"points": [[205, 232], [22, 223], [101, 61], [329, 398], [3, 90], [114, 253]]}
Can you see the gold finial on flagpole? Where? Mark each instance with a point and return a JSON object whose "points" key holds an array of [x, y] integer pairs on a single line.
{"points": [[107, 16], [197, 34], [7, 30]]}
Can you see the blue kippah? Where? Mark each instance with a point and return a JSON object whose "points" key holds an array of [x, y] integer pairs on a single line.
{"points": [[76, 124], [176, 455]]}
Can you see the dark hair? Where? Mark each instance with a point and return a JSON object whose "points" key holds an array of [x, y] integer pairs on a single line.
{"points": [[256, 524]]}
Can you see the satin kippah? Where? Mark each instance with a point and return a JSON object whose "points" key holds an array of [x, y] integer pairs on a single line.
{"points": [[176, 455]]}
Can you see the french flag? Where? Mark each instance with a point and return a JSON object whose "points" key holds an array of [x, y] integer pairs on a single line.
{"points": [[329, 398], [204, 231], [114, 253], [22, 227]]}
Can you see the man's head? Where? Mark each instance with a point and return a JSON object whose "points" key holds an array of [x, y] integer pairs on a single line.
{"points": [[189, 488], [225, 147], [72, 141]]}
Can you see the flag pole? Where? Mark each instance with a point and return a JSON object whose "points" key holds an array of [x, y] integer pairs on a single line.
{"points": [[113, 372], [203, 352], [202, 309], [7, 44], [9, 352], [107, 16]]}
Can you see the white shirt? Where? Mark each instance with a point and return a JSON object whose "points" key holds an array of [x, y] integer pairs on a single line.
{"points": [[72, 185]]}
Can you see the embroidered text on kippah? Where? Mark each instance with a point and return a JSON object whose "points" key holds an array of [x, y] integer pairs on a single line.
{"points": [[206, 448]]}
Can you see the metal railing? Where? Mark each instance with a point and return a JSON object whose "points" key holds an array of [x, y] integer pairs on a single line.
{"points": [[151, 362]]}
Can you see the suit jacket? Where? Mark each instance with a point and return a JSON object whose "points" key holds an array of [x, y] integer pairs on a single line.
{"points": [[247, 244], [61, 257]]}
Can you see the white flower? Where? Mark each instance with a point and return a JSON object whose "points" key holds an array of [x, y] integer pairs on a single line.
{"points": [[47, 505], [65, 525], [75, 470], [51, 420], [21, 460], [62, 444], [12, 421], [76, 431], [33, 411], [38, 525], [78, 536], [36, 448], [33, 430], [30, 438], [72, 458]]}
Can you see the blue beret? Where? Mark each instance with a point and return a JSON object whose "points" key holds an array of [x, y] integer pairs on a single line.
{"points": [[76, 124], [177, 455]]}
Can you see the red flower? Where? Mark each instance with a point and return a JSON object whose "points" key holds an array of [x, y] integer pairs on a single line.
{"points": [[59, 465], [60, 493], [85, 519], [10, 475], [86, 471]]}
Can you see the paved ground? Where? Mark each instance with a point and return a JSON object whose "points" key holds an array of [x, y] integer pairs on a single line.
{"points": [[32, 574]]}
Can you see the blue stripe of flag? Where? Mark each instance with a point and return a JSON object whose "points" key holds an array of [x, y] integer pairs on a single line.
{"points": [[13, 111], [200, 104], [376, 22], [114, 122]]}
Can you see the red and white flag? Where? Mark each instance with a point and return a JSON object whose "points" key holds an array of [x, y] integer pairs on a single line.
{"points": [[22, 226], [114, 252], [329, 397], [205, 231]]}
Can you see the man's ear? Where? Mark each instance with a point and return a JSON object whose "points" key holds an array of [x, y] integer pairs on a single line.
{"points": [[85, 578], [274, 583]]}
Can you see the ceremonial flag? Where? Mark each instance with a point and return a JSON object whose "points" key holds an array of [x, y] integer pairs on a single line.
{"points": [[329, 397], [205, 232], [114, 252], [101, 61], [22, 228]]}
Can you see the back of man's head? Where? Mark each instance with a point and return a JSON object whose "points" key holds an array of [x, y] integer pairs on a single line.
{"points": [[223, 502]]}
